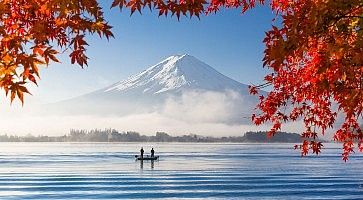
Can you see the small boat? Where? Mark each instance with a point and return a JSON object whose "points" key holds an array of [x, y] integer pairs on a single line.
{"points": [[146, 158]]}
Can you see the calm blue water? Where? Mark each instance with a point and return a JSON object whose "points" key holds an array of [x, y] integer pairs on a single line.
{"points": [[185, 171]]}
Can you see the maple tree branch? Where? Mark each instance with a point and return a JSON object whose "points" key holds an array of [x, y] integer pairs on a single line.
{"points": [[264, 85], [346, 15]]}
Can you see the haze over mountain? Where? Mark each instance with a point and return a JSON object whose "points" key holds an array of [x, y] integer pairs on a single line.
{"points": [[179, 95], [180, 85]]}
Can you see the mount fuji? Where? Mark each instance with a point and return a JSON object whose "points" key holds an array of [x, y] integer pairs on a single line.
{"points": [[180, 85], [174, 74]]}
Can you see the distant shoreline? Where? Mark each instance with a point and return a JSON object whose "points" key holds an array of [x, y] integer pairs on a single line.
{"points": [[160, 142], [325, 141], [113, 136]]}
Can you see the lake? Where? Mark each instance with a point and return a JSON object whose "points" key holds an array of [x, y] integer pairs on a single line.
{"points": [[185, 171]]}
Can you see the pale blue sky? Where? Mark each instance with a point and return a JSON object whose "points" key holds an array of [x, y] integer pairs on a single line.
{"points": [[228, 41]]}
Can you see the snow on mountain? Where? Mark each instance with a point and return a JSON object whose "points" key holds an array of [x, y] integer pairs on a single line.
{"points": [[180, 86], [175, 73]]}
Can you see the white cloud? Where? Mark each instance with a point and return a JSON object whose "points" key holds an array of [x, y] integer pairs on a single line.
{"points": [[205, 113], [144, 123], [208, 107]]}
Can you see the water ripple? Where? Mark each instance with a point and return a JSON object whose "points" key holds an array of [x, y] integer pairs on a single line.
{"points": [[215, 171]]}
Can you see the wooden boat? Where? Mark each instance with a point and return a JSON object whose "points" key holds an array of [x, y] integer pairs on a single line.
{"points": [[146, 158]]}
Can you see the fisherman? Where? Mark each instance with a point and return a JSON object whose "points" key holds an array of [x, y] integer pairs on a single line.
{"points": [[142, 153], [152, 152]]}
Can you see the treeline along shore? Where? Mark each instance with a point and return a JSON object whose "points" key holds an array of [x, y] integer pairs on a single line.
{"points": [[112, 135]]}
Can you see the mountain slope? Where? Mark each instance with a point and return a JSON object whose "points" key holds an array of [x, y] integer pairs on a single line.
{"points": [[176, 73], [178, 84]]}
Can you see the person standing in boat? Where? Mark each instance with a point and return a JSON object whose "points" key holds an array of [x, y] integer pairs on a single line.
{"points": [[152, 152], [142, 153]]}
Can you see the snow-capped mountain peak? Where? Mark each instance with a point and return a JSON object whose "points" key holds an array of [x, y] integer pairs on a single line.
{"points": [[179, 87], [174, 73]]}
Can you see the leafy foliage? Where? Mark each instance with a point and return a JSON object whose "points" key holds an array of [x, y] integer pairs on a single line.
{"points": [[33, 31], [315, 54], [316, 61]]}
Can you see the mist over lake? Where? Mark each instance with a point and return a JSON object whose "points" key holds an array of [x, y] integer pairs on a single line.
{"points": [[184, 171]]}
